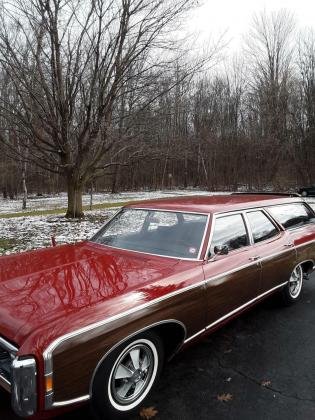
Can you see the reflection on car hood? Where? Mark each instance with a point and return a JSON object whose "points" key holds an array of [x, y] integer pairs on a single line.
{"points": [[40, 287]]}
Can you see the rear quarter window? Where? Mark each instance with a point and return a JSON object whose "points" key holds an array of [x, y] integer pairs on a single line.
{"points": [[291, 216], [261, 227]]}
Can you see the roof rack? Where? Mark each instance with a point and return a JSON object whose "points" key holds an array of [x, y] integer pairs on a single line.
{"points": [[267, 193]]}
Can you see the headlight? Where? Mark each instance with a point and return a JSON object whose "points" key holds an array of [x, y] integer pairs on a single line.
{"points": [[23, 386]]}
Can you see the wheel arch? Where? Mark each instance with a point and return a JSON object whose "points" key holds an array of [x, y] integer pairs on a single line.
{"points": [[307, 266], [172, 333]]}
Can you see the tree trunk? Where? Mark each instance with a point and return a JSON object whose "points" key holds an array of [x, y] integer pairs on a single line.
{"points": [[91, 196], [75, 191], [24, 202], [115, 180]]}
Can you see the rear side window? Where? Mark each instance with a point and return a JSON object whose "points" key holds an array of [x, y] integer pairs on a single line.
{"points": [[292, 215], [229, 231], [262, 228]]}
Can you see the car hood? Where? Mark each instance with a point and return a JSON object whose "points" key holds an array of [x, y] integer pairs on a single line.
{"points": [[41, 287]]}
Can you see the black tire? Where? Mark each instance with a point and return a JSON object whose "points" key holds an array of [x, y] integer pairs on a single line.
{"points": [[109, 384], [291, 292]]}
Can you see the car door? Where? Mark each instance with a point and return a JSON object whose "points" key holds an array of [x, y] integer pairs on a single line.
{"points": [[273, 247], [232, 280]]}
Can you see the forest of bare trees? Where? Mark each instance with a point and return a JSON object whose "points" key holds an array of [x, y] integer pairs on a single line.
{"points": [[106, 95]]}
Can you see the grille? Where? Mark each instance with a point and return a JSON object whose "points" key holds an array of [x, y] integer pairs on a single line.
{"points": [[5, 364], [7, 355]]}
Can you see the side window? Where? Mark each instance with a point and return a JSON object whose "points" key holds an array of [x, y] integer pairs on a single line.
{"points": [[292, 215], [229, 231], [262, 228]]}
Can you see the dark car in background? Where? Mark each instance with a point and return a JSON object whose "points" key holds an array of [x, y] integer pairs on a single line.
{"points": [[306, 191]]}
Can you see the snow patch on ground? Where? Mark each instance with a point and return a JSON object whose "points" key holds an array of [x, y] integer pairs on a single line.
{"points": [[32, 232], [60, 200], [26, 233]]}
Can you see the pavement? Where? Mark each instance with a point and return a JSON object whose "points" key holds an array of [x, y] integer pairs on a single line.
{"points": [[262, 364]]}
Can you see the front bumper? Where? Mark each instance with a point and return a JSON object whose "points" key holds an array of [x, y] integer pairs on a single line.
{"points": [[24, 387], [18, 375]]}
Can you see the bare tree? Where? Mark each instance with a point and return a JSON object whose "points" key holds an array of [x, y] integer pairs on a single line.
{"points": [[68, 62], [270, 54], [303, 109]]}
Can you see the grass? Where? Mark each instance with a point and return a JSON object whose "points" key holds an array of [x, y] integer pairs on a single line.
{"points": [[62, 210], [6, 244]]}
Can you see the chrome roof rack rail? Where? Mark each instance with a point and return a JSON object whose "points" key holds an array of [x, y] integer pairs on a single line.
{"points": [[267, 193]]}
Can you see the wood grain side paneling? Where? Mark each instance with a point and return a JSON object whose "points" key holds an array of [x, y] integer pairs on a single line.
{"points": [[74, 361]]}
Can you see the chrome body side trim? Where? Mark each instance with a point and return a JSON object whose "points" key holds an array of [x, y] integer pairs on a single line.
{"points": [[195, 335], [235, 311], [69, 402], [245, 305]]}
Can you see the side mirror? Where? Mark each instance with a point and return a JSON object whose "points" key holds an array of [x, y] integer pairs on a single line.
{"points": [[221, 250]]}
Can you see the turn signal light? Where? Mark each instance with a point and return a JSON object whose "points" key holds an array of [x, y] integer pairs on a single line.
{"points": [[48, 383]]}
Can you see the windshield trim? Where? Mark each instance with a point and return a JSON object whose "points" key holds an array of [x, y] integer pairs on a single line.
{"points": [[198, 258]]}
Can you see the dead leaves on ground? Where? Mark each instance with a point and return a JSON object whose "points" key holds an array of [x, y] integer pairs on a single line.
{"points": [[148, 413], [225, 397], [265, 383]]}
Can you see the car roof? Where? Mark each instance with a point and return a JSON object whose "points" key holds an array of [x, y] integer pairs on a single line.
{"points": [[214, 203]]}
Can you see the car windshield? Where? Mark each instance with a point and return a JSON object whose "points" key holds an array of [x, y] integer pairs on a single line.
{"points": [[155, 232]]}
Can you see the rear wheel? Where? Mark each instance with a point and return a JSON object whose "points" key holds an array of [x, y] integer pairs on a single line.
{"points": [[126, 377], [292, 291], [304, 194]]}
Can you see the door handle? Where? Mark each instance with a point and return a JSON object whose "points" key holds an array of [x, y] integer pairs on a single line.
{"points": [[289, 245], [255, 258]]}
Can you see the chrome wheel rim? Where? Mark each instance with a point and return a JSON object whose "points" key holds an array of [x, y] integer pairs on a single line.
{"points": [[295, 282], [133, 375]]}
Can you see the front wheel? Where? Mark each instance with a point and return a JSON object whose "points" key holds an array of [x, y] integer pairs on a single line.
{"points": [[126, 377], [292, 291], [304, 194]]}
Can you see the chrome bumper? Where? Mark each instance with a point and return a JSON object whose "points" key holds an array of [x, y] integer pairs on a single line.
{"points": [[24, 386], [18, 376]]}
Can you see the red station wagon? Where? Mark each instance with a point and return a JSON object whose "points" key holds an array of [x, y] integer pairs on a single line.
{"points": [[96, 320]]}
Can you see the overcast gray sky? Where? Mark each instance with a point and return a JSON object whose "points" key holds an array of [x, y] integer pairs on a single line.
{"points": [[215, 17]]}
